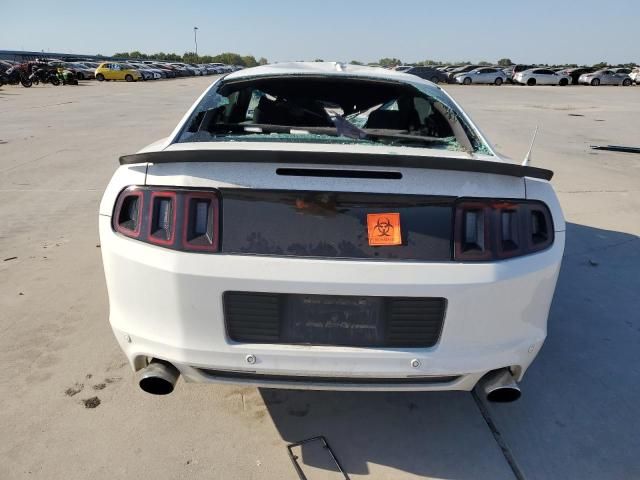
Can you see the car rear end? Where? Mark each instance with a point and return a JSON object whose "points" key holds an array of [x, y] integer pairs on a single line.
{"points": [[333, 266]]}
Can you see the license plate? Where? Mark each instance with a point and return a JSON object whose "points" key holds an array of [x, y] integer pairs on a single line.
{"points": [[333, 320]]}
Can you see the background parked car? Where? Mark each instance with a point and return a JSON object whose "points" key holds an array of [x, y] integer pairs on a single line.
{"points": [[625, 71], [428, 73], [81, 71], [463, 69], [156, 71], [117, 71], [605, 77], [487, 75], [184, 69], [635, 75], [575, 73], [167, 70], [541, 76], [148, 73], [515, 69]]}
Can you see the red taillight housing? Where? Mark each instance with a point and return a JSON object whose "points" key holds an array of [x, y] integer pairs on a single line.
{"points": [[179, 219], [488, 229]]}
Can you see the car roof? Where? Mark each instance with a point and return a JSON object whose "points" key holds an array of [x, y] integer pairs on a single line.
{"points": [[329, 69]]}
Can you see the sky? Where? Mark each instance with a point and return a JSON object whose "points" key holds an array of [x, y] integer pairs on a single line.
{"points": [[542, 31]]}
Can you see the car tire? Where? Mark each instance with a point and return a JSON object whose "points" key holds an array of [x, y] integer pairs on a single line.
{"points": [[100, 77], [498, 81], [128, 78], [467, 81], [563, 82], [435, 80], [595, 82], [626, 82], [531, 82]]}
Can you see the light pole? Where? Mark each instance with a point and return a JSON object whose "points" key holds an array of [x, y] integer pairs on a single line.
{"points": [[195, 38]]}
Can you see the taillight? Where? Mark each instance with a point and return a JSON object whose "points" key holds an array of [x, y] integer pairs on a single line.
{"points": [[180, 219], [487, 229]]}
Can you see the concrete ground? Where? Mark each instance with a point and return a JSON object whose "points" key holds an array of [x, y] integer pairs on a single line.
{"points": [[578, 417]]}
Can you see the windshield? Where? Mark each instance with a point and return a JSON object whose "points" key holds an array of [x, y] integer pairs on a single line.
{"points": [[309, 109]]}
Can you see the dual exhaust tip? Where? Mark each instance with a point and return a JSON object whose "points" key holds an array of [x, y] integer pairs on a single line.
{"points": [[499, 386], [160, 377]]}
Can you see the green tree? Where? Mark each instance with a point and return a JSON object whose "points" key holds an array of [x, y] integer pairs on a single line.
{"points": [[390, 62], [600, 65], [138, 55], [249, 61], [356, 62], [229, 58], [263, 61], [505, 62], [318, 60], [190, 57]]}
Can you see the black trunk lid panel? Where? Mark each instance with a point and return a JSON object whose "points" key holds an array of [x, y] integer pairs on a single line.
{"points": [[333, 224]]}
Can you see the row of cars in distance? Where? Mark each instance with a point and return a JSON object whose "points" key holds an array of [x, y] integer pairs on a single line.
{"points": [[130, 70], [524, 75]]}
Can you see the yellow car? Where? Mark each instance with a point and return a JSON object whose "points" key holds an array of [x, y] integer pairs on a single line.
{"points": [[117, 71]]}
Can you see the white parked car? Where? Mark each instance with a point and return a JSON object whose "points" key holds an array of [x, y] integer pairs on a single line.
{"points": [[541, 76], [488, 75], [329, 226], [635, 75], [148, 72], [605, 77]]}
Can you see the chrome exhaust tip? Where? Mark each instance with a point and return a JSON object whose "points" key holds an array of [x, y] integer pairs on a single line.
{"points": [[158, 378], [499, 386]]}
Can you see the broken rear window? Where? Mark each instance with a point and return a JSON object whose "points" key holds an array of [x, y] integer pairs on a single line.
{"points": [[310, 109]]}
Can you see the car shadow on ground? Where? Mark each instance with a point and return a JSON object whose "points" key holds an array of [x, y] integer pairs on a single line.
{"points": [[420, 433], [578, 415], [594, 315]]}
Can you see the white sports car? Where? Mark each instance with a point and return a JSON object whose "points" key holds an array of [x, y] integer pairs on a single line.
{"points": [[542, 76], [329, 226]]}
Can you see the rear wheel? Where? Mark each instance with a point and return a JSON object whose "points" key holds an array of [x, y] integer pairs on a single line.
{"points": [[564, 82], [435, 80], [100, 77], [626, 82], [531, 82], [467, 81], [498, 81], [595, 82], [128, 78], [55, 81]]}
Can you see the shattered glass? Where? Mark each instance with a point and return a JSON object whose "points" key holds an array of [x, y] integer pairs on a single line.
{"points": [[271, 113]]}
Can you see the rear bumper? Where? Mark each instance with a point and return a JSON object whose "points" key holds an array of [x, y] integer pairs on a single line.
{"points": [[168, 304]]}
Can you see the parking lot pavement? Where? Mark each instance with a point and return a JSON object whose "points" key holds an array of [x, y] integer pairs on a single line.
{"points": [[578, 414]]}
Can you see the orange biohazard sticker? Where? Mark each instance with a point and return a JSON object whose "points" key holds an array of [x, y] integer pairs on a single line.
{"points": [[384, 229]]}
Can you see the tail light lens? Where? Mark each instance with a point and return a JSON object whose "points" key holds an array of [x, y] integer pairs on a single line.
{"points": [[180, 219], [487, 229]]}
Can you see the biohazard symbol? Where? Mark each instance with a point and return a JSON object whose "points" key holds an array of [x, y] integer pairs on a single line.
{"points": [[384, 229]]}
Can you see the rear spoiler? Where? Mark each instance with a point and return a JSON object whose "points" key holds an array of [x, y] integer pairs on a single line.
{"points": [[342, 159]]}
